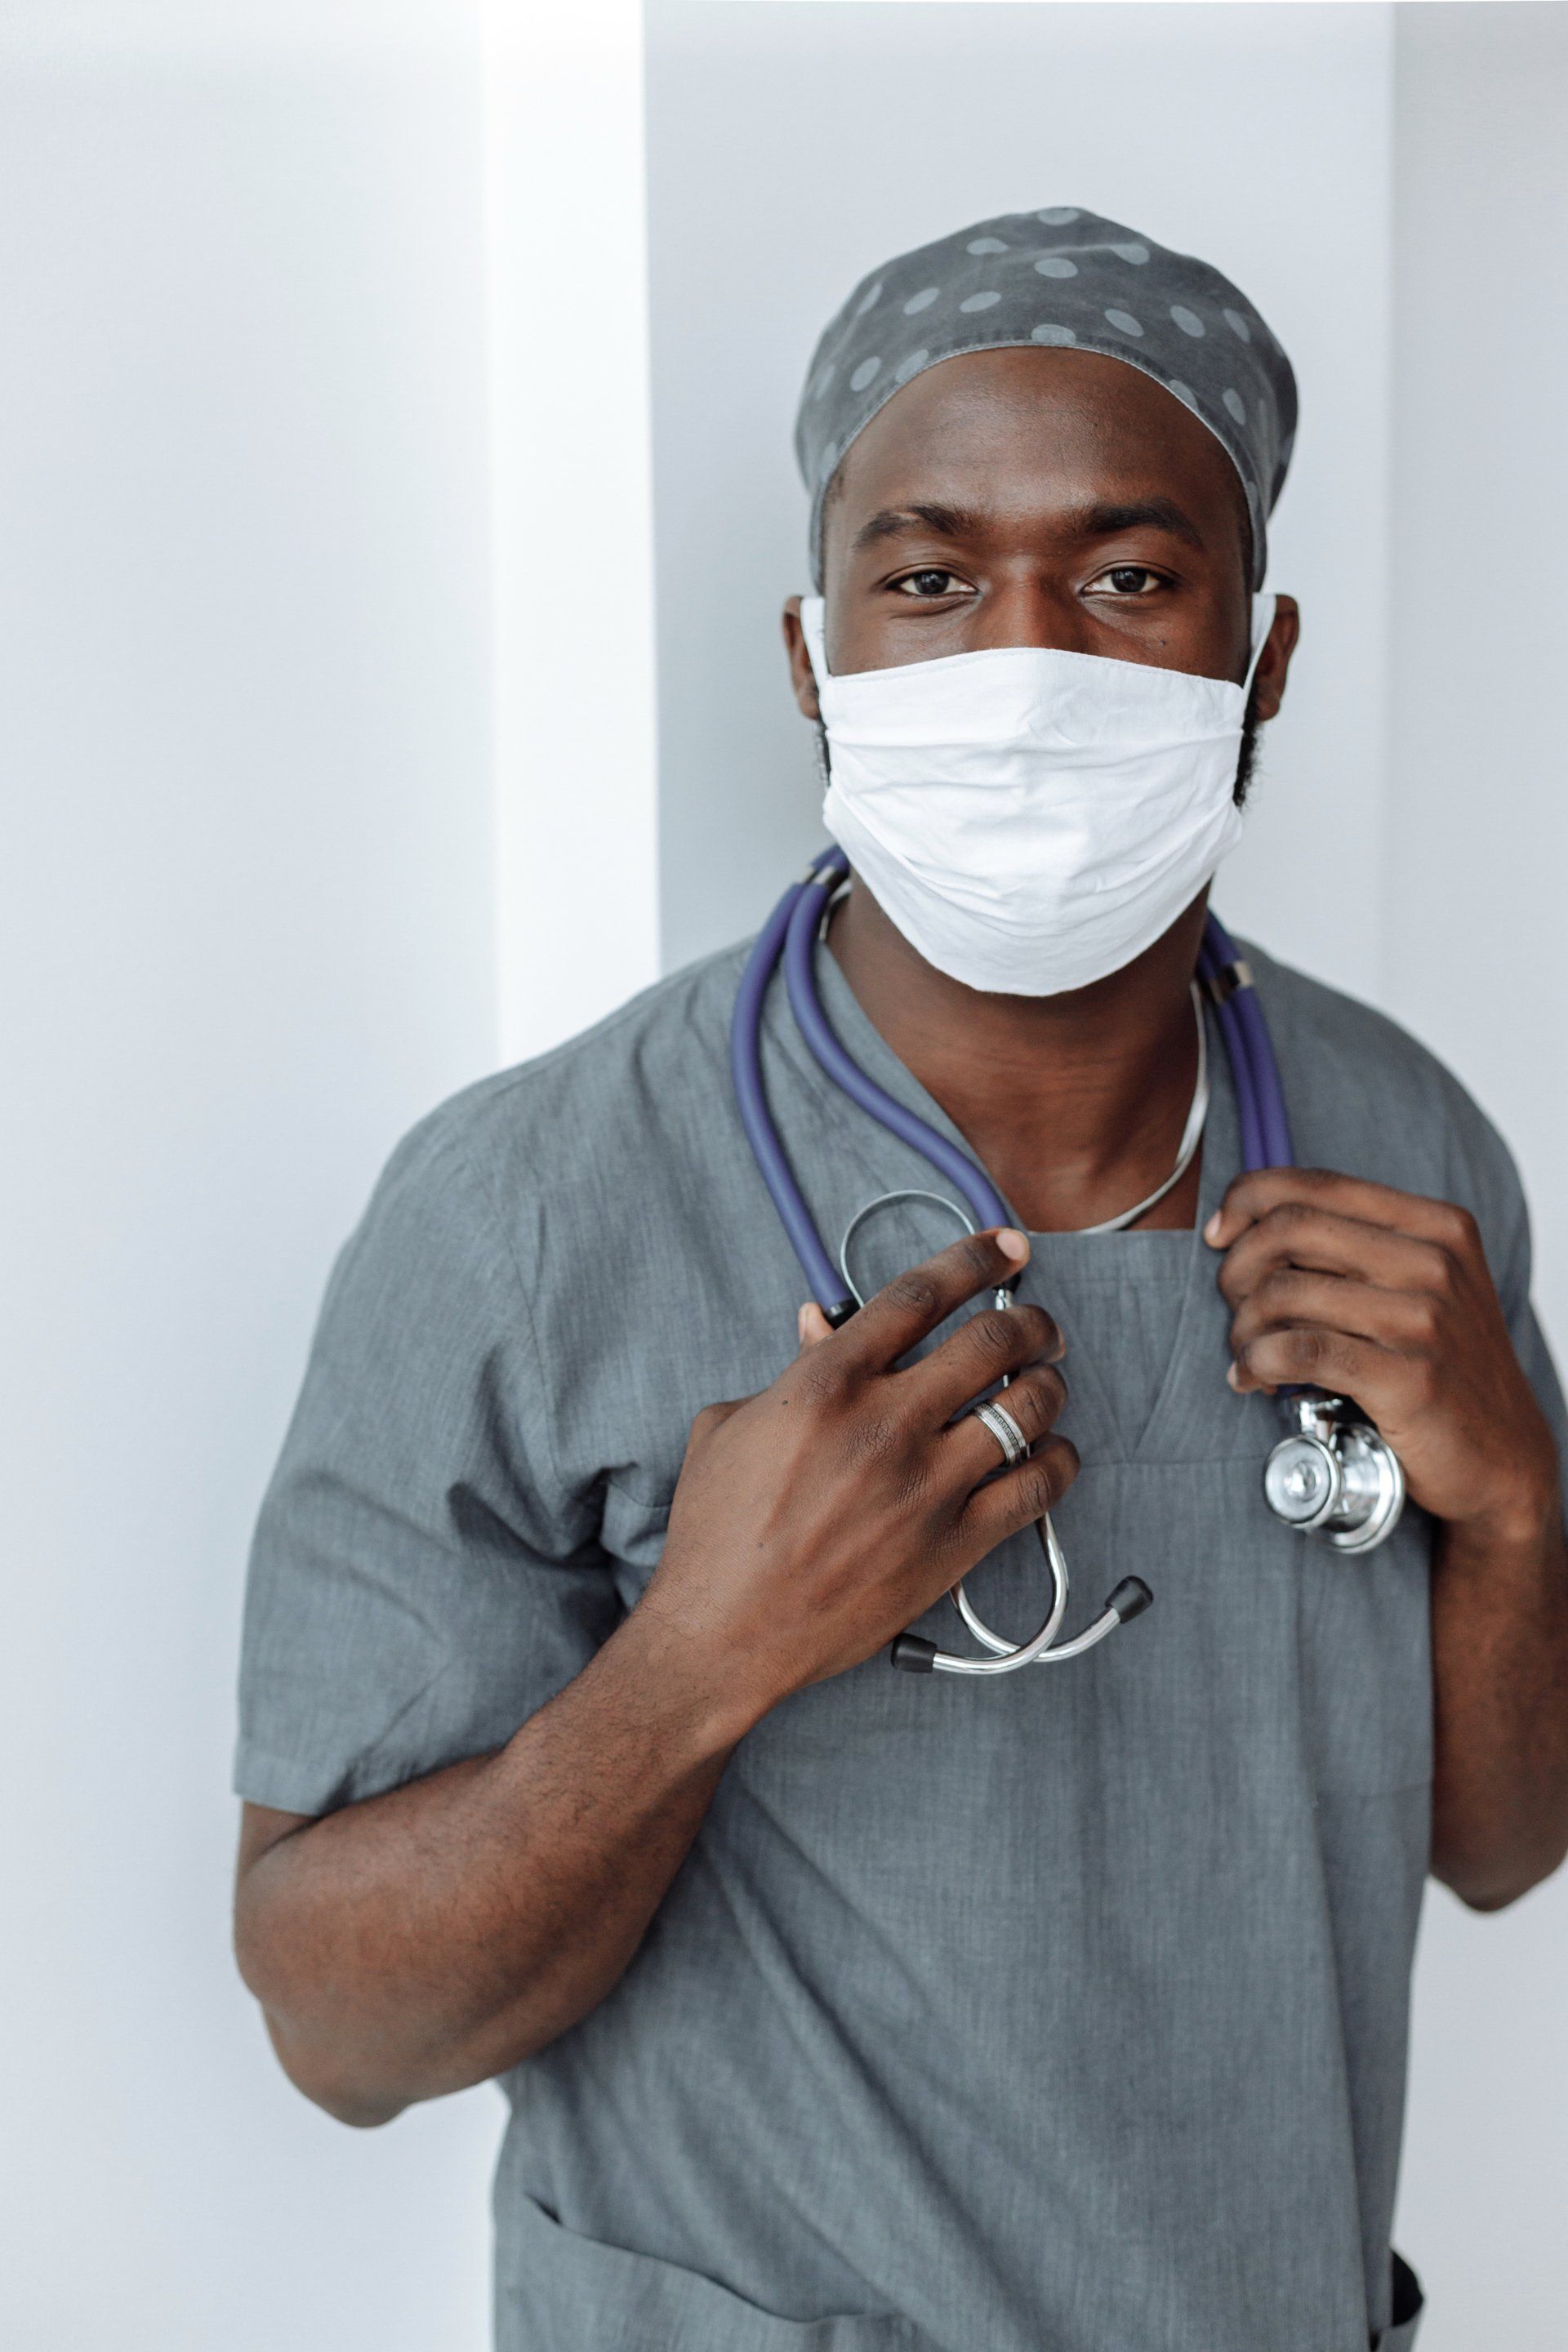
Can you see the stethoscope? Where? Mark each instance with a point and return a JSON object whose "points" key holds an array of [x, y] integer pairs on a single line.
{"points": [[1332, 1475]]}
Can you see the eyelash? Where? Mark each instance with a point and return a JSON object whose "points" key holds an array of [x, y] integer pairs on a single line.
{"points": [[904, 586], [1146, 570], [924, 572]]}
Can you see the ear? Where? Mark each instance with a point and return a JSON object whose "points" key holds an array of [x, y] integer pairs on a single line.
{"points": [[800, 676], [1274, 661]]}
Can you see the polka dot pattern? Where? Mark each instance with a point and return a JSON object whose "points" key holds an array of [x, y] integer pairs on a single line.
{"points": [[984, 288]]}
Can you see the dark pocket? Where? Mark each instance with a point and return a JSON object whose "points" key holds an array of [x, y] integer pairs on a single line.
{"points": [[1408, 2305], [563, 2293]]}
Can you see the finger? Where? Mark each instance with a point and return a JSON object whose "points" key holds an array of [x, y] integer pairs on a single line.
{"points": [[991, 1345], [1251, 1197], [1295, 1234], [899, 1317], [1399, 1320], [812, 1326], [1003, 1505], [1383, 1382], [969, 1452]]}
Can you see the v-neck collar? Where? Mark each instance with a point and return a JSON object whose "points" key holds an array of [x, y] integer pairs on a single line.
{"points": [[1195, 1414]]}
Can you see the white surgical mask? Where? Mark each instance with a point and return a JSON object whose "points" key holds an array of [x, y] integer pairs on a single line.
{"points": [[1031, 820]]}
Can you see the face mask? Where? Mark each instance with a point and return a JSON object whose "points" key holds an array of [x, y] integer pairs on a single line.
{"points": [[1031, 820]]}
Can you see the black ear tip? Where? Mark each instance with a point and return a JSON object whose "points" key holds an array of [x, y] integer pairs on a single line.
{"points": [[914, 1655], [1130, 1598]]}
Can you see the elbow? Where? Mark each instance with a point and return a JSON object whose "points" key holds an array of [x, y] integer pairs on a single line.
{"points": [[1476, 1897], [1486, 1882], [1500, 1896], [337, 2087], [1479, 1893], [319, 2064], [360, 2110]]}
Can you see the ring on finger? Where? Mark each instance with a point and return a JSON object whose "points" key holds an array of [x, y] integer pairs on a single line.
{"points": [[995, 1417]]}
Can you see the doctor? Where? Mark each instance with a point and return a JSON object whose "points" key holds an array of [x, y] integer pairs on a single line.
{"points": [[843, 2011]]}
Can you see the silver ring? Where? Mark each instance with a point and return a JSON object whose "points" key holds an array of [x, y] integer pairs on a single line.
{"points": [[1004, 1429]]}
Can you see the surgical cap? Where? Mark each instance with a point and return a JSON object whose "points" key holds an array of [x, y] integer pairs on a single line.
{"points": [[1067, 280]]}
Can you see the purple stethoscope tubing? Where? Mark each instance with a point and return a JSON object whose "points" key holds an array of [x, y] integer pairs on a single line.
{"points": [[1260, 1097], [751, 1097], [789, 936], [985, 1202]]}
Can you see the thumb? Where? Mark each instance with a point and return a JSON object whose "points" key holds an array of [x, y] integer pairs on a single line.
{"points": [[813, 1325]]}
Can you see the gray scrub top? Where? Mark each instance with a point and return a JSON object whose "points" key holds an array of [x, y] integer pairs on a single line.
{"points": [[1060, 2013]]}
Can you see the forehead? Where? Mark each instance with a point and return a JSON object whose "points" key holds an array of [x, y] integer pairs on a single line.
{"points": [[1012, 431]]}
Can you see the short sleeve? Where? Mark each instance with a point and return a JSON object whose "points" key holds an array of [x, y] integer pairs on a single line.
{"points": [[1535, 1355], [1487, 1182], [420, 1583]]}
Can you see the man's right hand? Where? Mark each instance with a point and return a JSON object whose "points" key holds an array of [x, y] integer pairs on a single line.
{"points": [[815, 1520], [418, 1941]]}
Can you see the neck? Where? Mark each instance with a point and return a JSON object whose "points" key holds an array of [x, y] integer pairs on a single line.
{"points": [[1075, 1104]]}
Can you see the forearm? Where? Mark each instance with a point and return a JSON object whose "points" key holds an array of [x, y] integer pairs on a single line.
{"points": [[431, 1938], [1499, 1632]]}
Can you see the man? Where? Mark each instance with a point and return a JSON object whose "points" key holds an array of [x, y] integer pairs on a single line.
{"points": [[841, 2008]]}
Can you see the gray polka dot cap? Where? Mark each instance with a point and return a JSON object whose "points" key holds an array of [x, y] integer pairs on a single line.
{"points": [[1066, 278]]}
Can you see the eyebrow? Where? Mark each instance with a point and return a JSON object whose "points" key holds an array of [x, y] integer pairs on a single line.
{"points": [[893, 522], [1159, 514], [1104, 521]]}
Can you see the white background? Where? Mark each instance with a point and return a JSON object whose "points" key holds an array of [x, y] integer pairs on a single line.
{"points": [[792, 146], [305, 576], [244, 669]]}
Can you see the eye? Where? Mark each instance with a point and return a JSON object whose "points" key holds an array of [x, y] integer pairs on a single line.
{"points": [[931, 581], [1130, 580]]}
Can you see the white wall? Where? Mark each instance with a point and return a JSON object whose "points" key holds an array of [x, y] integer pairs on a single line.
{"points": [[571, 517], [247, 941], [1477, 835], [795, 144], [262, 581]]}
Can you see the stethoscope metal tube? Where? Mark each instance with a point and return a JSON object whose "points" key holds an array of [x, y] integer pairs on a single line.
{"points": [[912, 1652], [1332, 1474]]}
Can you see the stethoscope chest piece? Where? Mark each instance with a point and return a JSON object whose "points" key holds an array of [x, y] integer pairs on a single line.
{"points": [[1334, 1476]]}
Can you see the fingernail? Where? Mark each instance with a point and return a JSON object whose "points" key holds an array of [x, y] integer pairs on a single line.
{"points": [[1233, 1381], [1012, 1243], [800, 1323], [1211, 1230]]}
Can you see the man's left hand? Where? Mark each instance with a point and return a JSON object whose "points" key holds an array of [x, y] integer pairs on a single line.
{"points": [[1387, 1297]]}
